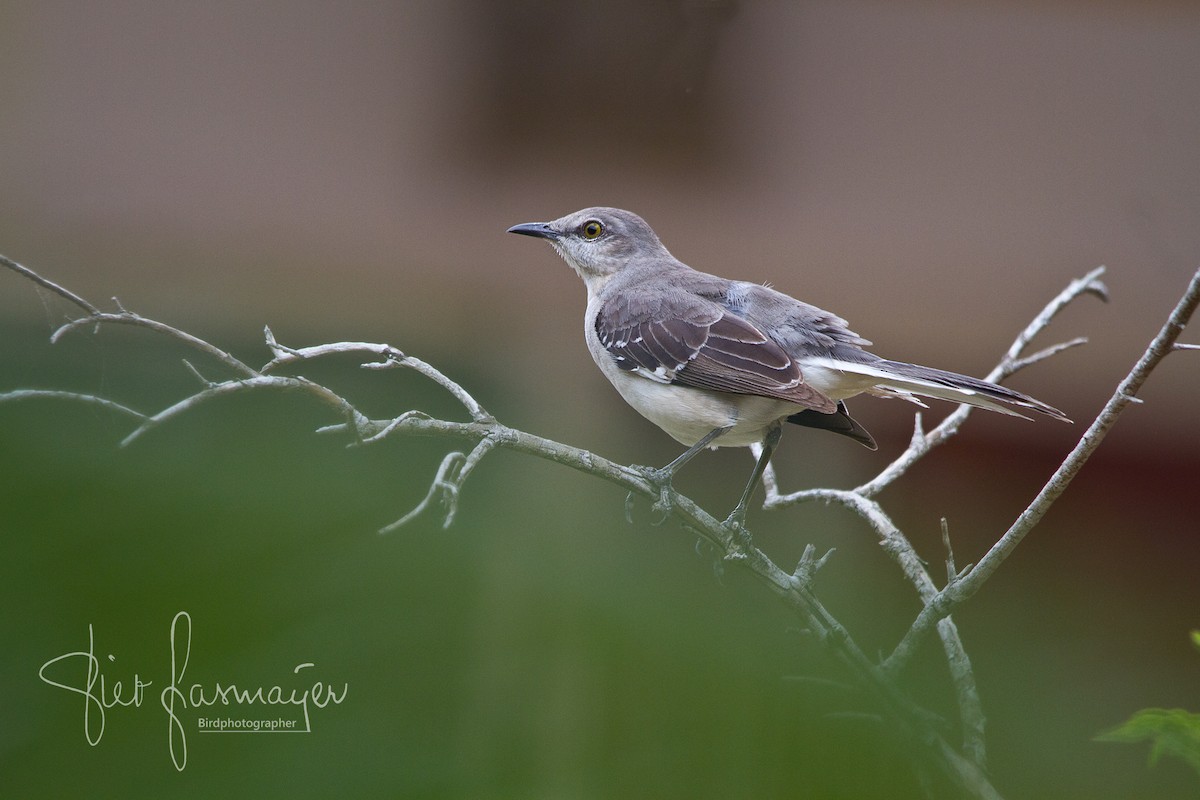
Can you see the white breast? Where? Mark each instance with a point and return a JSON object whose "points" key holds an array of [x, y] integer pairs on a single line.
{"points": [[685, 413]]}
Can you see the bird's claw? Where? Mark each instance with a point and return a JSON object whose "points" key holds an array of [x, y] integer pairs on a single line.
{"points": [[660, 478], [735, 523], [663, 505]]}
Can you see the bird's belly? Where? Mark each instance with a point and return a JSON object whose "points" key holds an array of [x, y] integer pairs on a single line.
{"points": [[688, 414], [836, 384]]}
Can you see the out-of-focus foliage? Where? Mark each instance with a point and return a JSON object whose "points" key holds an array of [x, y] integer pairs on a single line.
{"points": [[1171, 731]]}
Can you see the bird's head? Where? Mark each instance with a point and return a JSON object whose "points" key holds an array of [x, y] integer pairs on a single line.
{"points": [[598, 242]]}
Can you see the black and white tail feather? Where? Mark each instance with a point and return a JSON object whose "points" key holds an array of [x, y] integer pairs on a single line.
{"points": [[907, 381], [910, 382]]}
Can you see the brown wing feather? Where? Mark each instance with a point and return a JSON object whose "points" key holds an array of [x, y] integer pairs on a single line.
{"points": [[687, 340]]}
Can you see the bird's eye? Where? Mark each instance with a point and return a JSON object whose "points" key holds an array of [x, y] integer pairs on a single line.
{"points": [[592, 229]]}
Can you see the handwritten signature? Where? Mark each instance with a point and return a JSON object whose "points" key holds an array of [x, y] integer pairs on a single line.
{"points": [[100, 695]]}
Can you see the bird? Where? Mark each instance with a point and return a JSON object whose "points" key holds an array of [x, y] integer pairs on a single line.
{"points": [[716, 362]]}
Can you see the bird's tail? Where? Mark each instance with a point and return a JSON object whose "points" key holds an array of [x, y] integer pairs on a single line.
{"points": [[898, 377]]}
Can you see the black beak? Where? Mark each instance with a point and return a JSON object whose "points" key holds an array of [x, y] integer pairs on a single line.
{"points": [[542, 230]]}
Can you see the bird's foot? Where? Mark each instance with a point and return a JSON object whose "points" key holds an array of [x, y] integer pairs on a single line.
{"points": [[661, 479], [735, 523]]}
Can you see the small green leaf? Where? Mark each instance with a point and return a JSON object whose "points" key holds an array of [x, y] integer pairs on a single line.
{"points": [[1172, 731], [1196, 639]]}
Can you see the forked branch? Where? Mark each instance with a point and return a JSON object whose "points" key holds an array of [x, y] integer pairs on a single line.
{"points": [[963, 765], [957, 592]]}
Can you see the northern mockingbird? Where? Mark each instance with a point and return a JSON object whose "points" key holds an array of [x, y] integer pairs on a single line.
{"points": [[723, 363]]}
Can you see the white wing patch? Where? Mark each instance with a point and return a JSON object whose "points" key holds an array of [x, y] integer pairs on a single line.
{"points": [[659, 374], [841, 379]]}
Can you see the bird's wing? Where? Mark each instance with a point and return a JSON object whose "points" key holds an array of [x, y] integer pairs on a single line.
{"points": [[679, 337]]}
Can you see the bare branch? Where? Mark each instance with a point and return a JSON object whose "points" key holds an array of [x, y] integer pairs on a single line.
{"points": [[390, 358], [896, 545], [473, 458], [792, 588], [809, 564], [1042, 355], [1088, 284], [795, 589], [387, 430], [473, 407], [920, 444], [49, 284], [285, 356], [128, 318], [447, 484], [951, 569], [214, 390], [1009, 364], [277, 350], [959, 591], [443, 486], [966, 693], [196, 374], [54, 394]]}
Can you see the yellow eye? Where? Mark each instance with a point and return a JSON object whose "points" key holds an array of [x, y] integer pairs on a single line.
{"points": [[592, 229]]}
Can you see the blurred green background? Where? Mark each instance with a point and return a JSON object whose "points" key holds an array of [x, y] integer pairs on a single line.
{"points": [[932, 172]]}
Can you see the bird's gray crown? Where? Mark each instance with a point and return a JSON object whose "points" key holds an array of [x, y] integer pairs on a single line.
{"points": [[598, 242]]}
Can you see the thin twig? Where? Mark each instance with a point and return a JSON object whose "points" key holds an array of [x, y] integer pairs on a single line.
{"points": [[1042, 355], [214, 390], [451, 475], [795, 589], [959, 591], [288, 355], [127, 318], [49, 284], [897, 545], [1088, 284], [55, 394], [443, 486], [460, 394], [390, 358], [809, 564], [1009, 364]]}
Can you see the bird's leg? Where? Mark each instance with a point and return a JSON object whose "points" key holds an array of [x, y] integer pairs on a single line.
{"points": [[661, 477], [737, 520], [664, 474]]}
